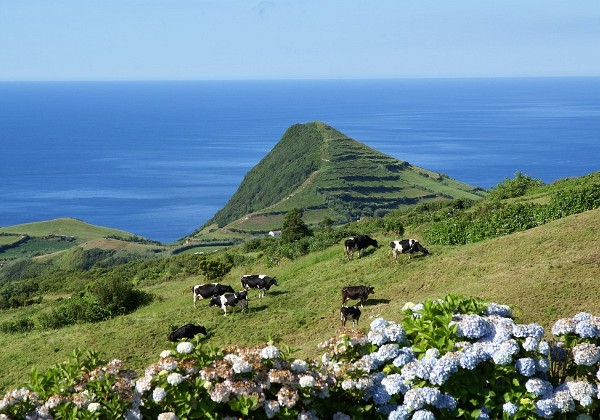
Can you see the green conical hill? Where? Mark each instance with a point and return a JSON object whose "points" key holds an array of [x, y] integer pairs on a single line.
{"points": [[327, 174]]}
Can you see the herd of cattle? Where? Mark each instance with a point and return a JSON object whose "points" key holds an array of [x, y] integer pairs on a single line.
{"points": [[225, 296]]}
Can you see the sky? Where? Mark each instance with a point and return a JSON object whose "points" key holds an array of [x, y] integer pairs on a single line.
{"points": [[296, 39]]}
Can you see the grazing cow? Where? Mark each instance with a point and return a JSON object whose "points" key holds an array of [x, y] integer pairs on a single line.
{"points": [[258, 281], [351, 312], [231, 300], [356, 293], [187, 331], [358, 243], [205, 291], [409, 246]]}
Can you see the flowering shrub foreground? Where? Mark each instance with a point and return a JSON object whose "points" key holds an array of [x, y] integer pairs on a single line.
{"points": [[449, 358]]}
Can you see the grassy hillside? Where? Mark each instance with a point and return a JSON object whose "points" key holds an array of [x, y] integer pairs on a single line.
{"points": [[44, 240], [68, 227], [327, 174], [544, 273]]}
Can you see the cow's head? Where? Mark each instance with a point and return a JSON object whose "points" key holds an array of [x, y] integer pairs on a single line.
{"points": [[242, 295], [215, 301], [199, 329], [273, 281], [370, 290]]}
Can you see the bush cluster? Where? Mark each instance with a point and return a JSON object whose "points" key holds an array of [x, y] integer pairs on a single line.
{"points": [[450, 358], [503, 219]]}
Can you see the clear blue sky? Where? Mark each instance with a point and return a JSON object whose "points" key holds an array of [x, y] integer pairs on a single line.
{"points": [[283, 39]]}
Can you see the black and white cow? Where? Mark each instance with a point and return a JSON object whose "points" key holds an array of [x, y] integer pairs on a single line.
{"points": [[231, 300], [205, 291], [188, 331], [404, 246], [358, 243], [356, 293], [352, 312], [261, 282]]}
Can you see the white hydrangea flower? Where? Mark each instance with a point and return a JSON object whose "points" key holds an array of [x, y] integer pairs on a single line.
{"points": [[158, 394], [299, 366], [185, 347], [307, 381], [93, 407], [174, 378], [165, 353], [167, 416], [142, 385], [269, 352]]}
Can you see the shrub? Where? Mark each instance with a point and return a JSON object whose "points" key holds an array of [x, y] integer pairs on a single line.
{"points": [[516, 187], [19, 326], [72, 311]]}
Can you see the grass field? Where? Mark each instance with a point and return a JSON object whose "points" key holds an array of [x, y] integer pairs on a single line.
{"points": [[71, 227], [544, 273]]}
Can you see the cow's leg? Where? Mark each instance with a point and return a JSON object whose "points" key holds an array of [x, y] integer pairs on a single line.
{"points": [[224, 307]]}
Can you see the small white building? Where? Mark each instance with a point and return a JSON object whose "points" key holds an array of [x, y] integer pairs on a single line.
{"points": [[275, 233]]}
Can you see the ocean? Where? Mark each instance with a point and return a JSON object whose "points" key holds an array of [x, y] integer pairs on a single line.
{"points": [[158, 159]]}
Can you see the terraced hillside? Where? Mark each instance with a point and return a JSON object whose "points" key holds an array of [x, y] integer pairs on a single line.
{"points": [[327, 174]]}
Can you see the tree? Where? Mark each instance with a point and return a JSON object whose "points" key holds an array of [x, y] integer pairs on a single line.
{"points": [[326, 224], [516, 187], [294, 227], [214, 270]]}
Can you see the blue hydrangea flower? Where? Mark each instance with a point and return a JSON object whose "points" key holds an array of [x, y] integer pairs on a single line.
{"points": [[473, 355], [501, 330], [538, 387], [542, 365], [405, 355], [417, 398], [423, 415], [582, 316], [563, 399], [497, 309], [510, 409], [380, 395], [530, 344], [472, 326], [544, 348], [394, 384], [582, 391], [530, 330], [445, 367], [525, 366], [416, 369], [379, 324], [369, 362], [446, 401], [387, 352], [502, 356], [400, 413], [545, 408], [563, 326], [586, 329], [395, 333], [586, 354]]}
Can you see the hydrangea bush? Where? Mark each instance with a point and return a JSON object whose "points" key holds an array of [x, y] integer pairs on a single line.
{"points": [[450, 358]]}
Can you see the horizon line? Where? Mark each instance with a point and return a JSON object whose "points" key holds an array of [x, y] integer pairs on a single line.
{"points": [[297, 79]]}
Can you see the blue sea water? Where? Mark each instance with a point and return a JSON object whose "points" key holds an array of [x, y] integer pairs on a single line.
{"points": [[160, 158]]}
